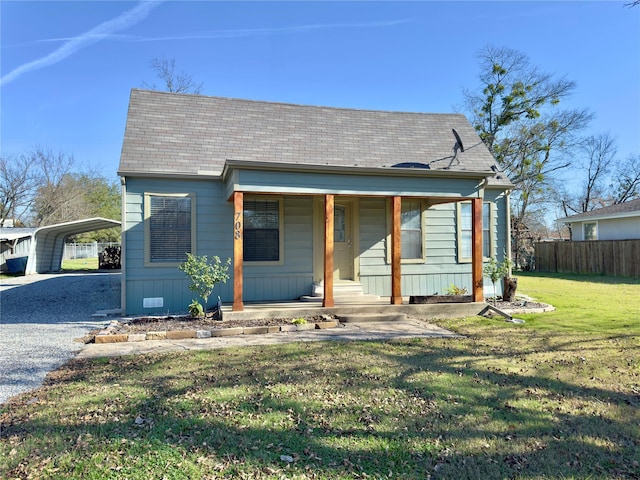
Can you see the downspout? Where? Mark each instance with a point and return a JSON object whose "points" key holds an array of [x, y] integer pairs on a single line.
{"points": [[123, 243], [507, 198]]}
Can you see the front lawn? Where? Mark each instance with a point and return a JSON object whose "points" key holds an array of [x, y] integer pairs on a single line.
{"points": [[80, 264], [557, 397]]}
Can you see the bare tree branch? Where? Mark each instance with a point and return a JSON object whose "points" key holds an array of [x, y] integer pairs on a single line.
{"points": [[627, 180], [176, 82], [18, 181]]}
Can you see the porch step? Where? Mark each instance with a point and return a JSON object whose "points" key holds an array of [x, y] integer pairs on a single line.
{"points": [[343, 299], [339, 289], [372, 317], [343, 292]]}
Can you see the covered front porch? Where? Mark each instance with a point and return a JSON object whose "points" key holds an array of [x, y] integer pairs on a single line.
{"points": [[330, 191], [382, 307]]}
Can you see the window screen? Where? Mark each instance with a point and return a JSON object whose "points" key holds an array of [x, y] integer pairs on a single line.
{"points": [[466, 229], [169, 228], [590, 231], [411, 229], [261, 230]]}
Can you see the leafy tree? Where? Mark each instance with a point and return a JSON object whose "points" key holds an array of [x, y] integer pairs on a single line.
{"points": [[204, 275], [177, 82], [495, 271], [42, 188], [516, 112]]}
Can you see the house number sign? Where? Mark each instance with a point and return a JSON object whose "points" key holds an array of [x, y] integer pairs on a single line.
{"points": [[237, 226]]}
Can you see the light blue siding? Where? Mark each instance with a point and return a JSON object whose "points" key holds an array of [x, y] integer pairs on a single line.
{"points": [[293, 277], [419, 184], [213, 237], [440, 269]]}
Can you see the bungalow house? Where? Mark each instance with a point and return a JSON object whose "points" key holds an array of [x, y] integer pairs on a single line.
{"points": [[615, 222], [306, 201]]}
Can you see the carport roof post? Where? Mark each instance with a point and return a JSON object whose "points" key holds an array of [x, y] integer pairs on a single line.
{"points": [[47, 243]]}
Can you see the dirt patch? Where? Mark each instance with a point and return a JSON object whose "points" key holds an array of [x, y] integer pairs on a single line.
{"points": [[186, 322], [519, 305]]}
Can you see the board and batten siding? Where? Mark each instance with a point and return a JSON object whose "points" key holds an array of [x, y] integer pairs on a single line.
{"points": [[294, 277], [214, 236]]}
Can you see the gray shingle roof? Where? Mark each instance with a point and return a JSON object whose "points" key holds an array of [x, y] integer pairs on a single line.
{"points": [[169, 133], [617, 210]]}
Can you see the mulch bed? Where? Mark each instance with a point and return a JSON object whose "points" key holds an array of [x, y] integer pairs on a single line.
{"points": [[186, 322]]}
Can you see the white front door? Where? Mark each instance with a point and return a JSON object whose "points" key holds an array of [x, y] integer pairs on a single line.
{"points": [[343, 242]]}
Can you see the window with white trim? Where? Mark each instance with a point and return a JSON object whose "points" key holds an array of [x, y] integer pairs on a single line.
{"points": [[411, 229], [590, 231], [262, 230], [465, 231], [412, 237], [170, 227]]}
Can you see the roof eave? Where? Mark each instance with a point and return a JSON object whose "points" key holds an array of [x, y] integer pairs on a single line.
{"points": [[350, 170], [613, 216]]}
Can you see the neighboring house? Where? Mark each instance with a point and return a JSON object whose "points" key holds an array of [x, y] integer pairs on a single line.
{"points": [[304, 200], [616, 222]]}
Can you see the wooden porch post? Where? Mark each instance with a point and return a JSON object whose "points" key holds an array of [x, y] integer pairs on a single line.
{"points": [[238, 250], [396, 251], [328, 251], [476, 250]]}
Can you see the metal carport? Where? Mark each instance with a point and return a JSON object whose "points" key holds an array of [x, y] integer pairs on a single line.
{"points": [[47, 244]]}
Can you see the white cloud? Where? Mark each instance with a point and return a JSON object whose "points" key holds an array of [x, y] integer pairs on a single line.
{"points": [[255, 32], [74, 44]]}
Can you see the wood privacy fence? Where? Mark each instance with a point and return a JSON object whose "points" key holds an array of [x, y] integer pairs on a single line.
{"points": [[607, 257]]}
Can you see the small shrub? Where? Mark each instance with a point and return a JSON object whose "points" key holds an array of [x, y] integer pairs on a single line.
{"points": [[195, 309], [299, 321], [453, 290], [204, 274], [495, 271]]}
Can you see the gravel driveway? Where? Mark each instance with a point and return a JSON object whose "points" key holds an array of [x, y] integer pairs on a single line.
{"points": [[40, 316]]}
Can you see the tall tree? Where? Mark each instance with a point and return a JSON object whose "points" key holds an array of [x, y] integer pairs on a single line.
{"points": [[516, 112], [18, 181], [177, 82], [626, 182], [43, 187], [598, 153], [74, 197]]}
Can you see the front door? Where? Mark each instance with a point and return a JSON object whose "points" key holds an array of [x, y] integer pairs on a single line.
{"points": [[342, 242]]}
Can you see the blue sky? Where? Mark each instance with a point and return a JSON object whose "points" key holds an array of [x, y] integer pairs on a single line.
{"points": [[67, 67]]}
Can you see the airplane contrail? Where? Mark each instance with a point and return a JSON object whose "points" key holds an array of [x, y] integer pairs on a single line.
{"points": [[74, 44]]}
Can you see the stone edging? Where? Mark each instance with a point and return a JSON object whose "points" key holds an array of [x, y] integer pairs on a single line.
{"points": [[106, 336]]}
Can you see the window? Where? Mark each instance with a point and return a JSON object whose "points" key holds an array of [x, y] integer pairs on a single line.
{"points": [[169, 228], [590, 231], [465, 231], [262, 226], [411, 229], [339, 224]]}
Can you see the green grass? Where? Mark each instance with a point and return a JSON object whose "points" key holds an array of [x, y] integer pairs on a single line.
{"points": [[80, 264], [557, 397], [585, 303]]}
